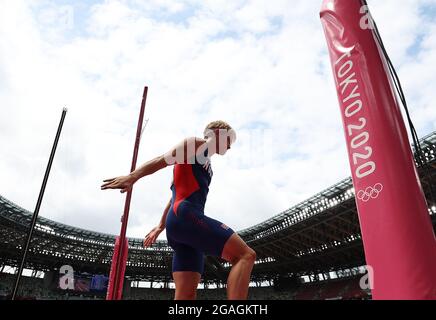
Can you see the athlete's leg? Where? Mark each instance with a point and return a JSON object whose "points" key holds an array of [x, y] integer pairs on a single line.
{"points": [[186, 284], [242, 258], [188, 265]]}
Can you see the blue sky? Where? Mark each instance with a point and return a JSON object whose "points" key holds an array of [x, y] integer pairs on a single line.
{"points": [[262, 66]]}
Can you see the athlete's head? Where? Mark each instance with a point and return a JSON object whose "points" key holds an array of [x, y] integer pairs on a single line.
{"points": [[222, 134]]}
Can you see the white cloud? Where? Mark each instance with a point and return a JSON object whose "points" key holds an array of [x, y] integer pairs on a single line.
{"points": [[247, 62]]}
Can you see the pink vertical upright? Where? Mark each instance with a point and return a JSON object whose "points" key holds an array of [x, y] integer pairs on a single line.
{"points": [[119, 258], [398, 237]]}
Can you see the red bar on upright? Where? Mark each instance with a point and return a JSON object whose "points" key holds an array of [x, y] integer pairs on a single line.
{"points": [[398, 237], [115, 292]]}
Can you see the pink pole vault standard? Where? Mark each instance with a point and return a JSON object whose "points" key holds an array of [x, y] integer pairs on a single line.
{"points": [[398, 238], [119, 258]]}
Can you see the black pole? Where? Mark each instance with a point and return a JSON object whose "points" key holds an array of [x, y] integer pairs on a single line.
{"points": [[38, 205]]}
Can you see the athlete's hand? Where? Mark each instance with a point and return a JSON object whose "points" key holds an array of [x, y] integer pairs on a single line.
{"points": [[151, 237], [124, 183]]}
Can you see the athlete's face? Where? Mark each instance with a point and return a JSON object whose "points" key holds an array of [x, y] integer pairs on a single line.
{"points": [[225, 139]]}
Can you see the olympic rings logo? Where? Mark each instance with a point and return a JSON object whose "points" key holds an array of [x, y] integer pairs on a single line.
{"points": [[370, 192]]}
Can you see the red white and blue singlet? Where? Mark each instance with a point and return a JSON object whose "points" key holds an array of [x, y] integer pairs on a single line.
{"points": [[190, 233]]}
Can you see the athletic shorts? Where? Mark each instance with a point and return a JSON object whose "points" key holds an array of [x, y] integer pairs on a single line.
{"points": [[191, 234]]}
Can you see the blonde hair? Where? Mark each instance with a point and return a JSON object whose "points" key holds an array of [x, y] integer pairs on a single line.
{"points": [[217, 125]]}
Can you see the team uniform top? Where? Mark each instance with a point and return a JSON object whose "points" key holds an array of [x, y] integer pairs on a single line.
{"points": [[191, 183]]}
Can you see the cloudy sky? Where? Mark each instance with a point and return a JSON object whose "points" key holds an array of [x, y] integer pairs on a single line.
{"points": [[260, 65]]}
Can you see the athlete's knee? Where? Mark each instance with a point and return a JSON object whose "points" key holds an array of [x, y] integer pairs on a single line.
{"points": [[250, 255]]}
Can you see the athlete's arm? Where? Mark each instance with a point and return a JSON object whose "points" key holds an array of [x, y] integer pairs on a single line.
{"points": [[151, 237], [163, 220], [180, 153]]}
